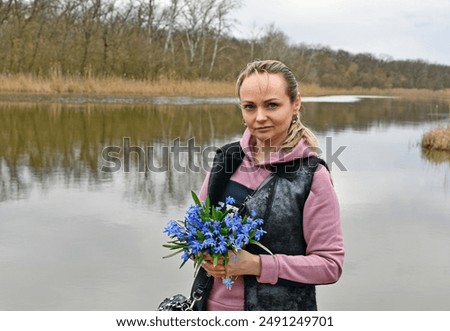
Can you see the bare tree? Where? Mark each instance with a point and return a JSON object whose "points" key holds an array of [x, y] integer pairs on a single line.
{"points": [[90, 12], [148, 17], [5, 9], [221, 25], [41, 11], [255, 35], [197, 18], [107, 16], [274, 43], [170, 13]]}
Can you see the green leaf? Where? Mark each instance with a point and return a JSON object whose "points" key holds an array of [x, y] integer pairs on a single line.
{"points": [[198, 264], [215, 259], [208, 205], [199, 259], [226, 260], [200, 236], [173, 254], [225, 213], [214, 213], [196, 199], [252, 241], [175, 241], [182, 264], [175, 246]]}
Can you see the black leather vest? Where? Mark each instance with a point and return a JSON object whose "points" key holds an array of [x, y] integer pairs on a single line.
{"points": [[280, 203]]}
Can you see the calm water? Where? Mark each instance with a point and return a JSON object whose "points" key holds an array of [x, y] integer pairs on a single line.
{"points": [[74, 237]]}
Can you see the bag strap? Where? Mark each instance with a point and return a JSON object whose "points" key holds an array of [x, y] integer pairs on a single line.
{"points": [[202, 284], [201, 289]]}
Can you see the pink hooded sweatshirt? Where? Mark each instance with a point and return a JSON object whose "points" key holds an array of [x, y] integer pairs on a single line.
{"points": [[324, 257]]}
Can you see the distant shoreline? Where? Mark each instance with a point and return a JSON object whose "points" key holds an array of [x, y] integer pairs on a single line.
{"points": [[28, 88]]}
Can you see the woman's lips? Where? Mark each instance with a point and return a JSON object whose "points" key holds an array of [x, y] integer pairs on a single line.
{"points": [[263, 128]]}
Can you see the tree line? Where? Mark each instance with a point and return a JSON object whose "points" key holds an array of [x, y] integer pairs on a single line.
{"points": [[178, 39]]}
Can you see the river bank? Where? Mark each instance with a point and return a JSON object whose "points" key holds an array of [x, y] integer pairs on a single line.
{"points": [[26, 87]]}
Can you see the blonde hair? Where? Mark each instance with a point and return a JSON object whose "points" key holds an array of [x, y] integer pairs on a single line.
{"points": [[296, 130]]}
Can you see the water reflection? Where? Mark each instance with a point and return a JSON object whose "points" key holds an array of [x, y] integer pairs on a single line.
{"points": [[41, 144], [374, 113], [44, 143], [436, 157]]}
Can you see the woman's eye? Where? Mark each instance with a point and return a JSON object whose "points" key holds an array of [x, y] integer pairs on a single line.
{"points": [[272, 106], [248, 107]]}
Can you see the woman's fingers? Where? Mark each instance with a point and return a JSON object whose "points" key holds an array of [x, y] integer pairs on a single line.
{"points": [[209, 258], [239, 263], [214, 270]]}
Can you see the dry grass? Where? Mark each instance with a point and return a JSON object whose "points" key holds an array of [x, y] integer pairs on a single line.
{"points": [[437, 139], [314, 90], [27, 84], [59, 84]]}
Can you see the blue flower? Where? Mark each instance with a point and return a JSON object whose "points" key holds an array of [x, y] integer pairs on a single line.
{"points": [[173, 229], [239, 241], [230, 200], [196, 246], [220, 248], [185, 255], [208, 229], [208, 243], [228, 283], [259, 221], [216, 228], [259, 233], [231, 224]]}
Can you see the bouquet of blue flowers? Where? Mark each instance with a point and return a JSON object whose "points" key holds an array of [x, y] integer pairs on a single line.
{"points": [[214, 231]]}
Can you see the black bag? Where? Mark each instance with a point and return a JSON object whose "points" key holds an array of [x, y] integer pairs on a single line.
{"points": [[178, 302]]}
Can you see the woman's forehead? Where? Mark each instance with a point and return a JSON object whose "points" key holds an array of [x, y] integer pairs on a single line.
{"points": [[263, 84]]}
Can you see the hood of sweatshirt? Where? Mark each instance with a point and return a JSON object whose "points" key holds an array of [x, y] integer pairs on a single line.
{"points": [[300, 151]]}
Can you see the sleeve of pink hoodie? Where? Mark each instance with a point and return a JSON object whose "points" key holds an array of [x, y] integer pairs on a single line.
{"points": [[324, 257]]}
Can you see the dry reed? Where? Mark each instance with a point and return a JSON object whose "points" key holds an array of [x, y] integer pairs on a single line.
{"points": [[59, 84], [438, 139], [112, 86]]}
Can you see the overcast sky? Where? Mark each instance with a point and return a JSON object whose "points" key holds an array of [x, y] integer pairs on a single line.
{"points": [[401, 29]]}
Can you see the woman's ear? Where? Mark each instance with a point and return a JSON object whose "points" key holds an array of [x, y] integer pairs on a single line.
{"points": [[297, 104]]}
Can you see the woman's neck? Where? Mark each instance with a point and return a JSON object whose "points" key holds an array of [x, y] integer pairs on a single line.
{"points": [[263, 151]]}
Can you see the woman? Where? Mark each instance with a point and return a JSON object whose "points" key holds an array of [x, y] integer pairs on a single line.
{"points": [[294, 196]]}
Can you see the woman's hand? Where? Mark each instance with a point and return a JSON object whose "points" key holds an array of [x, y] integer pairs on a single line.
{"points": [[214, 270], [242, 263]]}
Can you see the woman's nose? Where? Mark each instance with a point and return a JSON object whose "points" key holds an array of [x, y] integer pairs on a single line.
{"points": [[261, 115]]}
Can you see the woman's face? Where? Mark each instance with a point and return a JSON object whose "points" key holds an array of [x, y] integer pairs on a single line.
{"points": [[266, 108]]}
